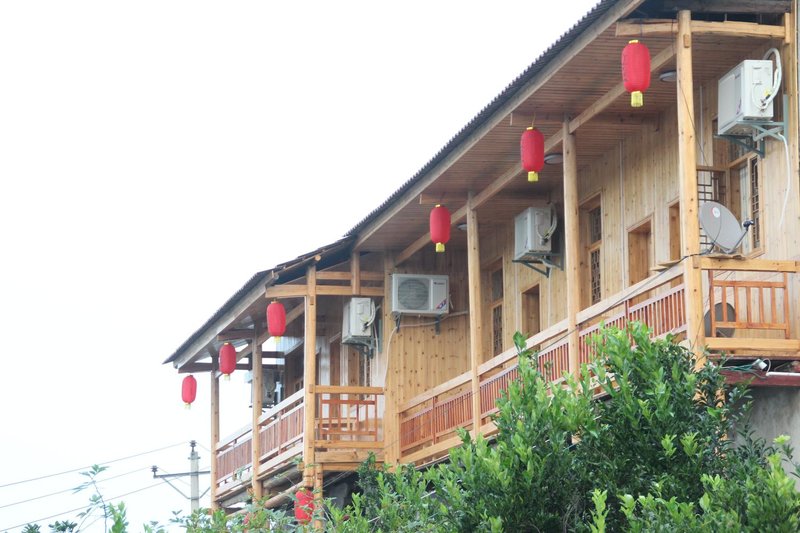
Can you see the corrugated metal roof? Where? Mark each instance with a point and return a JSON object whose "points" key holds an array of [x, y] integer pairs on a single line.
{"points": [[284, 272], [541, 62]]}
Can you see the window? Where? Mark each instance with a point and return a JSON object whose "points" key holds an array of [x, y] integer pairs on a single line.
{"points": [[735, 182], [496, 307], [591, 231]]}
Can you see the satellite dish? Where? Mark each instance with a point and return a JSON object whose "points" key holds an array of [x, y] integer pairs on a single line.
{"points": [[722, 227], [730, 316]]}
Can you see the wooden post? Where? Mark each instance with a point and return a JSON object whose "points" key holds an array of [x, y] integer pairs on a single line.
{"points": [[391, 416], [687, 177], [214, 429], [258, 407], [475, 320], [572, 245], [318, 503], [355, 272], [310, 377]]}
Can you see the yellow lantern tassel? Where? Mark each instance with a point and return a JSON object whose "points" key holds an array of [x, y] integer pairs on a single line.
{"points": [[533, 176], [637, 99], [187, 406], [227, 377], [440, 247]]}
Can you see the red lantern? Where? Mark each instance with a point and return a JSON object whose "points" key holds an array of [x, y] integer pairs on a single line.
{"points": [[636, 71], [531, 148], [440, 226], [303, 506], [227, 359], [189, 390], [276, 319]]}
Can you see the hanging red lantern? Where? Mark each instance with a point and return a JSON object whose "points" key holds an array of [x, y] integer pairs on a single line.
{"points": [[636, 71], [303, 506], [440, 226], [276, 319], [531, 147], [189, 390], [227, 359]]}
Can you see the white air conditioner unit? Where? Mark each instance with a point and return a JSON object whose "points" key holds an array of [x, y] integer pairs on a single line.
{"points": [[359, 314], [744, 95], [415, 294], [533, 233]]}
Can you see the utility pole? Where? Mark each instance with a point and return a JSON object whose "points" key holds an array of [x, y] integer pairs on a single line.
{"points": [[194, 478]]}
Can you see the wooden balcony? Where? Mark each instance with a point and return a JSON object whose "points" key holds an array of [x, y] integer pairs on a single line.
{"points": [[347, 419], [758, 293]]}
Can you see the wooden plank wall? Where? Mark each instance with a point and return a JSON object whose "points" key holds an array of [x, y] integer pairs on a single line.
{"points": [[423, 358]]}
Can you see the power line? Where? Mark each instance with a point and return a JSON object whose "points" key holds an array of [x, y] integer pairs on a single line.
{"points": [[88, 466], [81, 508], [71, 489]]}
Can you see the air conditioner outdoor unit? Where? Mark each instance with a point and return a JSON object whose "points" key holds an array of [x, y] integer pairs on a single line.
{"points": [[416, 294], [359, 314], [744, 96], [533, 233]]}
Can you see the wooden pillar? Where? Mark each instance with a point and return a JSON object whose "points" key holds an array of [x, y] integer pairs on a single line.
{"points": [[571, 245], [687, 177], [391, 414], [258, 407], [214, 429], [310, 377], [355, 272], [475, 319], [318, 500]]}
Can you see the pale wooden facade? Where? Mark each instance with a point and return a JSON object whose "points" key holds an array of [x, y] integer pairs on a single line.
{"points": [[627, 195]]}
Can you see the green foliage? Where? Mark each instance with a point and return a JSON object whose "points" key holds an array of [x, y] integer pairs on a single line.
{"points": [[654, 455], [63, 526], [32, 528]]}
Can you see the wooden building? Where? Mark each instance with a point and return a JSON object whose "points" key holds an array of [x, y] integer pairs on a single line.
{"points": [[625, 186]]}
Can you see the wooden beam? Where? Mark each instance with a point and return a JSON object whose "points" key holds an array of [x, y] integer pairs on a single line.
{"points": [[572, 245], [214, 393], [687, 178], [256, 388], [730, 6], [738, 343], [475, 322], [618, 11], [756, 265], [310, 376], [637, 28], [234, 335], [662, 58], [299, 291]]}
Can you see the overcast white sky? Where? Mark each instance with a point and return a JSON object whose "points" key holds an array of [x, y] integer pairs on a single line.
{"points": [[155, 154]]}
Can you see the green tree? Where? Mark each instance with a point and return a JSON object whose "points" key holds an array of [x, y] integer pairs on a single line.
{"points": [[652, 455]]}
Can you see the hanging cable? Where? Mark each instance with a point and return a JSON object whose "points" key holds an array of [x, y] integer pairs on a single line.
{"points": [[89, 466]]}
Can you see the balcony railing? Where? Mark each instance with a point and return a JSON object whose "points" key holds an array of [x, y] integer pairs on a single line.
{"points": [[428, 422], [348, 417], [280, 430], [754, 298]]}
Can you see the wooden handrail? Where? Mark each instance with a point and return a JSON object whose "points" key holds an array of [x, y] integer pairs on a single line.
{"points": [[543, 336], [272, 411], [335, 389], [754, 265], [452, 383]]}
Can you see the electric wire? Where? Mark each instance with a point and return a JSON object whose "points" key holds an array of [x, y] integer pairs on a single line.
{"points": [[81, 508], [72, 489], [90, 466]]}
